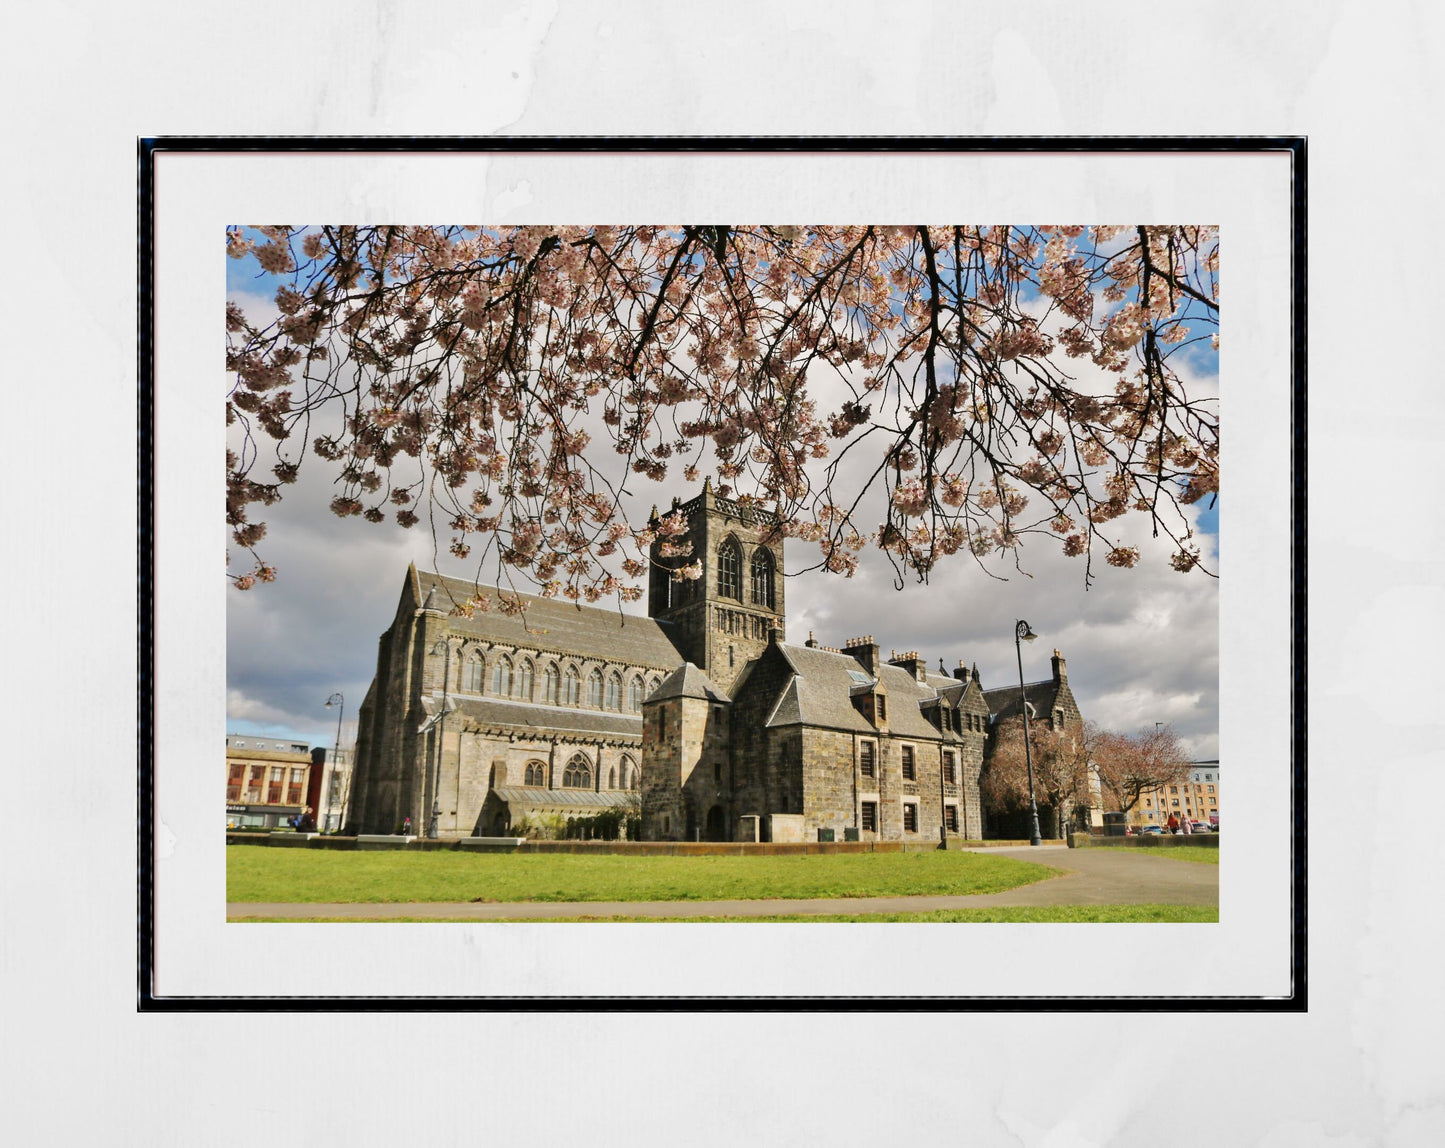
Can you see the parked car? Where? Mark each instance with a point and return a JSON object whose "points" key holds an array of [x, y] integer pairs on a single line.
{"points": [[1198, 827], [1158, 830]]}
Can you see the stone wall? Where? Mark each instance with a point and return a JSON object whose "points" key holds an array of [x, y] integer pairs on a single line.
{"points": [[687, 773], [718, 634], [391, 778]]}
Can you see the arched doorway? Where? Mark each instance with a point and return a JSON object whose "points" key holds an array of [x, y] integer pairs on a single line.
{"points": [[716, 824]]}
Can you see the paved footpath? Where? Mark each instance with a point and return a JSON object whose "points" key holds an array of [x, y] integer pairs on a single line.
{"points": [[1091, 877]]}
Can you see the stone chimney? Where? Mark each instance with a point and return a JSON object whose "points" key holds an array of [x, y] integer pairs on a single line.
{"points": [[1061, 671], [865, 649], [911, 661], [961, 671], [812, 642]]}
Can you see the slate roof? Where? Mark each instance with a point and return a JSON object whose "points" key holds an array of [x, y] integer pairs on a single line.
{"points": [[550, 719], [555, 625], [820, 693], [687, 681], [529, 795], [1006, 702]]}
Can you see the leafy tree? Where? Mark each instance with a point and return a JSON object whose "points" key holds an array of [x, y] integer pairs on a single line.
{"points": [[969, 386], [1129, 767]]}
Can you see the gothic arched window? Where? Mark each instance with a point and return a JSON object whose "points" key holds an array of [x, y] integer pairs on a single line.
{"points": [[571, 687], [594, 689], [614, 692], [550, 680], [634, 694], [762, 578], [524, 681], [502, 678], [578, 774], [629, 773], [729, 570], [472, 675], [536, 774], [612, 778]]}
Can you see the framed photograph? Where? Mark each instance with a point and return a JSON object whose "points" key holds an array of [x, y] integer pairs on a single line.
{"points": [[429, 639]]}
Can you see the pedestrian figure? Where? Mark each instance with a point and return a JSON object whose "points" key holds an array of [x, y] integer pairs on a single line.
{"points": [[1172, 824], [406, 826]]}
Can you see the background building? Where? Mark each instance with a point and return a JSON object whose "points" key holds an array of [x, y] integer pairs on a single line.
{"points": [[329, 792], [266, 780], [1196, 799]]}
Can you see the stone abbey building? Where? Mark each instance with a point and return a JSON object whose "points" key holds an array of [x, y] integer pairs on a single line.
{"points": [[702, 713]]}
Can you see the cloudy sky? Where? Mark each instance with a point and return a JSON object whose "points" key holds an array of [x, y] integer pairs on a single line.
{"points": [[1142, 645]]}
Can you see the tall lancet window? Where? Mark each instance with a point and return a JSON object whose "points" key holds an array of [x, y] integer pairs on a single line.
{"points": [[729, 571], [762, 579]]}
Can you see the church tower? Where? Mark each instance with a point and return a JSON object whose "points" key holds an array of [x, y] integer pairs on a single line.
{"points": [[722, 620]]}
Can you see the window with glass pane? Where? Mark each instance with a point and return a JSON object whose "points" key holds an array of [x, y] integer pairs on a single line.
{"points": [[578, 774], [729, 571], [762, 579]]}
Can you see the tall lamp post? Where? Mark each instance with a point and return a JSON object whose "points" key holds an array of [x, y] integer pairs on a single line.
{"points": [[1022, 633], [442, 647], [335, 758]]}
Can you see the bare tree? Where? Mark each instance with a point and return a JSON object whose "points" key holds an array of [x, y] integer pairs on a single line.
{"points": [[1060, 768], [1129, 767]]}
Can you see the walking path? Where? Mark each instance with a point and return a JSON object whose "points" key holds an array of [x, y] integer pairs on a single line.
{"points": [[1092, 877]]}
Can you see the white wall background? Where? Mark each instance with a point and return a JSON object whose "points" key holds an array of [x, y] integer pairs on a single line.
{"points": [[83, 80]]}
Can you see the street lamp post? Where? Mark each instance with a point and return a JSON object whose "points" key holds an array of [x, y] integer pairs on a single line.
{"points": [[328, 783], [442, 647], [1023, 633]]}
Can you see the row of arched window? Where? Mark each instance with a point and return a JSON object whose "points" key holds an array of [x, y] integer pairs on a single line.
{"points": [[558, 687], [577, 774], [761, 573]]}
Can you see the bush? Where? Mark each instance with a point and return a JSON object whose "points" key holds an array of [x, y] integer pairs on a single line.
{"points": [[604, 826]]}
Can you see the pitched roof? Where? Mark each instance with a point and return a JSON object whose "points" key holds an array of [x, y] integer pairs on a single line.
{"points": [[687, 681], [821, 694], [1006, 701], [555, 626], [559, 719]]}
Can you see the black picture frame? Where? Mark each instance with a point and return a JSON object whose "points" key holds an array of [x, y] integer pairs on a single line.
{"points": [[150, 678]]}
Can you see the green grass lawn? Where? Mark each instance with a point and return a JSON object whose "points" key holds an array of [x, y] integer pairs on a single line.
{"points": [[1205, 854], [1015, 914], [255, 873]]}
